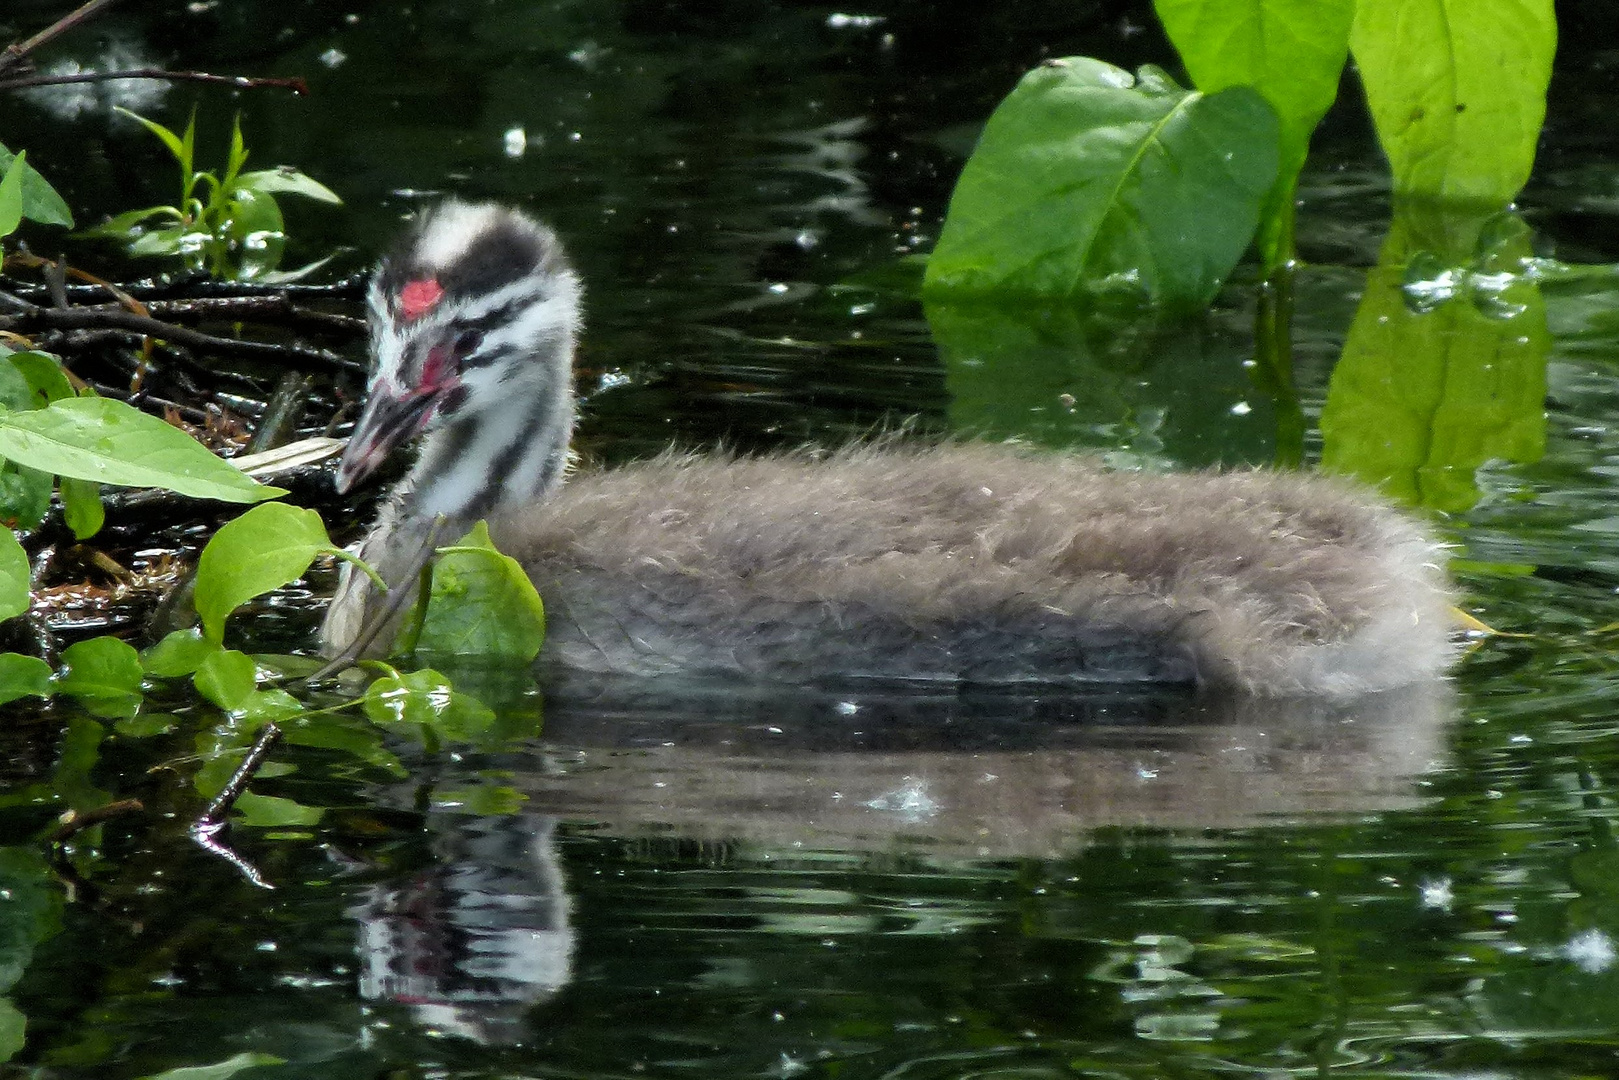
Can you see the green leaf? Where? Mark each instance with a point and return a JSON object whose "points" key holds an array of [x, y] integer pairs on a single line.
{"points": [[169, 138], [426, 698], [15, 393], [82, 508], [106, 441], [238, 152], [1090, 182], [46, 380], [25, 495], [40, 202], [124, 226], [1291, 51], [273, 812], [179, 653], [227, 678], [15, 579], [23, 676], [1426, 392], [13, 1029], [482, 604], [1457, 89], [104, 673], [262, 706], [158, 242], [263, 549], [222, 1070], [286, 180], [11, 196]]}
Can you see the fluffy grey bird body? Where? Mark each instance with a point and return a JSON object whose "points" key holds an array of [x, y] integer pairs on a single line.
{"points": [[963, 562]]}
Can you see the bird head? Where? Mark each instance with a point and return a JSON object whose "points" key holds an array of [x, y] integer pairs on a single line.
{"points": [[476, 305]]}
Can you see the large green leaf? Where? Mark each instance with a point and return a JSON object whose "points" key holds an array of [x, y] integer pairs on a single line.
{"points": [[1457, 89], [263, 549], [40, 202], [483, 604], [1088, 181], [1291, 51], [109, 442], [1429, 386]]}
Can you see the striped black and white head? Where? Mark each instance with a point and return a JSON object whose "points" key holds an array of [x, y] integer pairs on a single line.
{"points": [[473, 319]]}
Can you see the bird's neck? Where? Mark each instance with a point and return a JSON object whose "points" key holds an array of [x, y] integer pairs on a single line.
{"points": [[510, 453]]}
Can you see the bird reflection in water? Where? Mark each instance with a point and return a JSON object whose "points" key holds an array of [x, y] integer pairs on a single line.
{"points": [[475, 940]]}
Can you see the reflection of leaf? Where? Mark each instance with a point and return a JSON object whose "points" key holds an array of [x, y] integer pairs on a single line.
{"points": [[1457, 90], [1420, 400], [274, 812], [1089, 181], [1058, 377], [482, 604], [30, 912], [222, 1070]]}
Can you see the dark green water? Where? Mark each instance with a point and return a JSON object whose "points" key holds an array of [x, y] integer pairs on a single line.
{"points": [[677, 881]]}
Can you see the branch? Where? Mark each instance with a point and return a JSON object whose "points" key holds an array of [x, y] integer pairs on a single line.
{"points": [[106, 318], [240, 82], [12, 54]]}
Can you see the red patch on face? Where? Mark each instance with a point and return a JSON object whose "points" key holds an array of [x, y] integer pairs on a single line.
{"points": [[418, 297]]}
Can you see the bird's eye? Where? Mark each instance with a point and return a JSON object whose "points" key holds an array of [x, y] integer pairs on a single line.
{"points": [[467, 342]]}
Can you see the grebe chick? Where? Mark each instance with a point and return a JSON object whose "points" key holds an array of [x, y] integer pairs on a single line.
{"points": [[965, 562]]}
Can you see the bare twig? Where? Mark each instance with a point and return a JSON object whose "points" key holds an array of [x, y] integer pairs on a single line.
{"points": [[12, 54], [101, 318], [74, 821], [206, 829], [240, 82]]}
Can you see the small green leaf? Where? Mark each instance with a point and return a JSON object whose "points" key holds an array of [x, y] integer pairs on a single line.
{"points": [[263, 549], [13, 1029], [46, 380], [222, 1070], [25, 495], [169, 241], [265, 705], [226, 678], [40, 202], [179, 653], [1457, 91], [104, 673], [146, 725], [169, 138], [123, 227], [11, 196], [426, 698], [273, 812], [82, 508], [15, 393], [238, 152], [482, 604], [23, 676], [15, 578], [109, 442], [285, 180], [1089, 182]]}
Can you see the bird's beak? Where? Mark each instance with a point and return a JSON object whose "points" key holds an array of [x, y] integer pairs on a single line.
{"points": [[391, 418]]}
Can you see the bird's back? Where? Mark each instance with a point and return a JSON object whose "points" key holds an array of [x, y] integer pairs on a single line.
{"points": [[981, 563]]}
